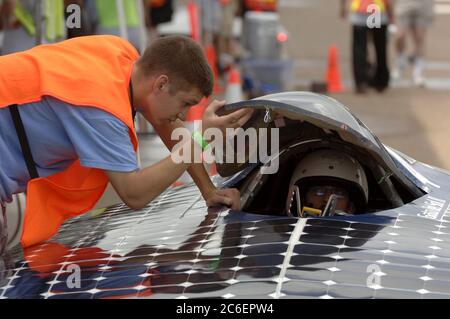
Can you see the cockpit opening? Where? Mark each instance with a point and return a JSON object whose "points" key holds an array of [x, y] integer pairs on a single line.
{"points": [[322, 175]]}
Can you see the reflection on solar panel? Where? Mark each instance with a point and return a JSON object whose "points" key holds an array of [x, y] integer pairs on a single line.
{"points": [[176, 248]]}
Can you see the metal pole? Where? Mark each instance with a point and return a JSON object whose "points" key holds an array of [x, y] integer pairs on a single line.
{"points": [[38, 20], [3, 22], [142, 27], [122, 19]]}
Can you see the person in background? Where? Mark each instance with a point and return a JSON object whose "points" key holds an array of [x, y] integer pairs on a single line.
{"points": [[108, 19], [414, 17], [361, 13], [217, 30], [225, 44], [17, 20], [210, 12]]}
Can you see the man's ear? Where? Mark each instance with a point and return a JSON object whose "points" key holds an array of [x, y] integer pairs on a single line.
{"points": [[161, 83]]}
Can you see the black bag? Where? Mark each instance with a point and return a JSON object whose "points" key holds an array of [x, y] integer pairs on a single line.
{"points": [[162, 13]]}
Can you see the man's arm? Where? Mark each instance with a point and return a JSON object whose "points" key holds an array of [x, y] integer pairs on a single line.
{"points": [[139, 188], [212, 196], [196, 170]]}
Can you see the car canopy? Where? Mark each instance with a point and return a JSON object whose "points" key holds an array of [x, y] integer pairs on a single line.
{"points": [[319, 110]]}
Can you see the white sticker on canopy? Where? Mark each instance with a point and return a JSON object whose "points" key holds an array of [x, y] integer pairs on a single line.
{"points": [[433, 208]]}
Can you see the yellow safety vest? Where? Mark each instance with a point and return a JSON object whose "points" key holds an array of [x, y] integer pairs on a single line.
{"points": [[361, 6], [54, 19]]}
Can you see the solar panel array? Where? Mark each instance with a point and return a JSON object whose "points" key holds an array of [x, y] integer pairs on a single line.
{"points": [[177, 248]]}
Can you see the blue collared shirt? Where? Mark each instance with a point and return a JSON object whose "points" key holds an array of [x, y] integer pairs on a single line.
{"points": [[59, 134]]}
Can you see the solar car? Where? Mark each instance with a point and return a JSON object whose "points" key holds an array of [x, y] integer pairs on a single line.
{"points": [[394, 246]]}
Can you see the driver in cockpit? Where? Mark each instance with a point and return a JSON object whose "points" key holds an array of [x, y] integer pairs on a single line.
{"points": [[326, 183]]}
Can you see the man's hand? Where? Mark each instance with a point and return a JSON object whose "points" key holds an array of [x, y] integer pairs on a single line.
{"points": [[230, 197], [232, 120]]}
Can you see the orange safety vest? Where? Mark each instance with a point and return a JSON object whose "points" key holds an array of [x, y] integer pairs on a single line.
{"points": [[90, 71], [261, 5]]}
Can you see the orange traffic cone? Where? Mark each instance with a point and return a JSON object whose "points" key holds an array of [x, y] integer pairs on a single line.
{"points": [[195, 113], [234, 93], [334, 83]]}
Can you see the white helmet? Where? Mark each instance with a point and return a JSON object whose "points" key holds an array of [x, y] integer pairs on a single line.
{"points": [[340, 167]]}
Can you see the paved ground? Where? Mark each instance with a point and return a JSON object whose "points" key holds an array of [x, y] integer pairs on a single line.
{"points": [[411, 120]]}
